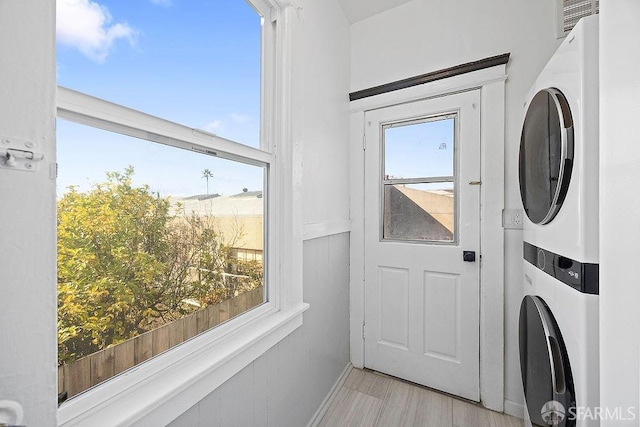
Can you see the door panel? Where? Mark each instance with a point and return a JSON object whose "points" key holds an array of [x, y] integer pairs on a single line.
{"points": [[442, 310], [422, 211], [394, 306]]}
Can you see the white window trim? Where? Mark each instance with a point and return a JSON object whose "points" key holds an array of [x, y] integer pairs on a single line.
{"points": [[95, 112], [161, 389]]}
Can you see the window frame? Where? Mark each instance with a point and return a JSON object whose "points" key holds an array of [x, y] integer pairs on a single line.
{"points": [[162, 388], [454, 179]]}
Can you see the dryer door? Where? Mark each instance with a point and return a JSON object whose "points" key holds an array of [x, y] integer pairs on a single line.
{"points": [[546, 372], [546, 155]]}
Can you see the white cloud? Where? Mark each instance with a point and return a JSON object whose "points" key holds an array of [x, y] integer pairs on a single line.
{"points": [[214, 126], [87, 26]]}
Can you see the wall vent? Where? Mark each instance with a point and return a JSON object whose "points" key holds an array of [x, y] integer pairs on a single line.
{"points": [[570, 12]]}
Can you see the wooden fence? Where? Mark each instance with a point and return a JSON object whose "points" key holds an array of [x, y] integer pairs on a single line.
{"points": [[90, 370]]}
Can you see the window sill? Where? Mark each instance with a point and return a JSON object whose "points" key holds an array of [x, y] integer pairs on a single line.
{"points": [[158, 391]]}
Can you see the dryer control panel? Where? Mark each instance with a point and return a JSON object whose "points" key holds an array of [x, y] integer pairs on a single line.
{"points": [[580, 276]]}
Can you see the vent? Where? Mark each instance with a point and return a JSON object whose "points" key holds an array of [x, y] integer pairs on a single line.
{"points": [[573, 11]]}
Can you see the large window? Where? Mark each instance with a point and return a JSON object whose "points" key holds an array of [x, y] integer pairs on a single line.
{"points": [[162, 225]]}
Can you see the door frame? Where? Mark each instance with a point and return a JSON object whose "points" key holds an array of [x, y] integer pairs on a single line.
{"points": [[491, 83]]}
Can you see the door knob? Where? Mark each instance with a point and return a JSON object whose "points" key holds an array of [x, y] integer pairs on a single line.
{"points": [[469, 256]]}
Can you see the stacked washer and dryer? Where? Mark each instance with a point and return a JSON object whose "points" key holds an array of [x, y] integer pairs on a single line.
{"points": [[558, 167]]}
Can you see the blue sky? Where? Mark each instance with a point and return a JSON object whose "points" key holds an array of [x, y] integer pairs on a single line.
{"points": [[420, 150], [193, 62]]}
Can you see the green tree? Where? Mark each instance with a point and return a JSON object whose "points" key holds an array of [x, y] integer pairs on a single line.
{"points": [[129, 262]]}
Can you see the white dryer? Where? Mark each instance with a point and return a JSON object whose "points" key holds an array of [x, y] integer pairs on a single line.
{"points": [[558, 167], [558, 162]]}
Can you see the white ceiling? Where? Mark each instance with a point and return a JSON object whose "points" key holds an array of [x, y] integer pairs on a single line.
{"points": [[357, 10]]}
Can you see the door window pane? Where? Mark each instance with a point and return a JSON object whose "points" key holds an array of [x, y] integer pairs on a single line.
{"points": [[419, 212], [156, 244], [419, 150], [418, 180]]}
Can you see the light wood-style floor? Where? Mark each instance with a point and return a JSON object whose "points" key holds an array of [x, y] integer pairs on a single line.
{"points": [[370, 399]]}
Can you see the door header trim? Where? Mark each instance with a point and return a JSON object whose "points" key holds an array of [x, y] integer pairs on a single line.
{"points": [[431, 76]]}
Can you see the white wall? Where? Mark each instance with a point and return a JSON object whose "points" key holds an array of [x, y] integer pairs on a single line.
{"points": [[423, 36], [321, 110], [619, 207], [28, 354]]}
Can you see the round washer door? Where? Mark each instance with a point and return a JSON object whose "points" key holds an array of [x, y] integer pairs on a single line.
{"points": [[546, 155], [546, 371]]}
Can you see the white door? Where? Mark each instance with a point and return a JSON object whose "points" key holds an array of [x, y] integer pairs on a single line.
{"points": [[422, 212]]}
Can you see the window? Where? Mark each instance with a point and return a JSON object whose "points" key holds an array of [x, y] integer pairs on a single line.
{"points": [[571, 11], [153, 249], [418, 180], [191, 211]]}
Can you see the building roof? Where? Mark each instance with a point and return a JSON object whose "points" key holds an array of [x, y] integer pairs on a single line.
{"points": [[249, 203]]}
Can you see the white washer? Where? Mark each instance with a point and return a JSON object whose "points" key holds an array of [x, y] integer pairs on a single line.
{"points": [[559, 350], [559, 340]]}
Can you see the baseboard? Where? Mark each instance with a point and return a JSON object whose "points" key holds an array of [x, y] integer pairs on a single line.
{"points": [[514, 408], [317, 417]]}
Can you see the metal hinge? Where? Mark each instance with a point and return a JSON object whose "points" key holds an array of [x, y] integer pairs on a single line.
{"points": [[364, 142], [363, 331]]}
